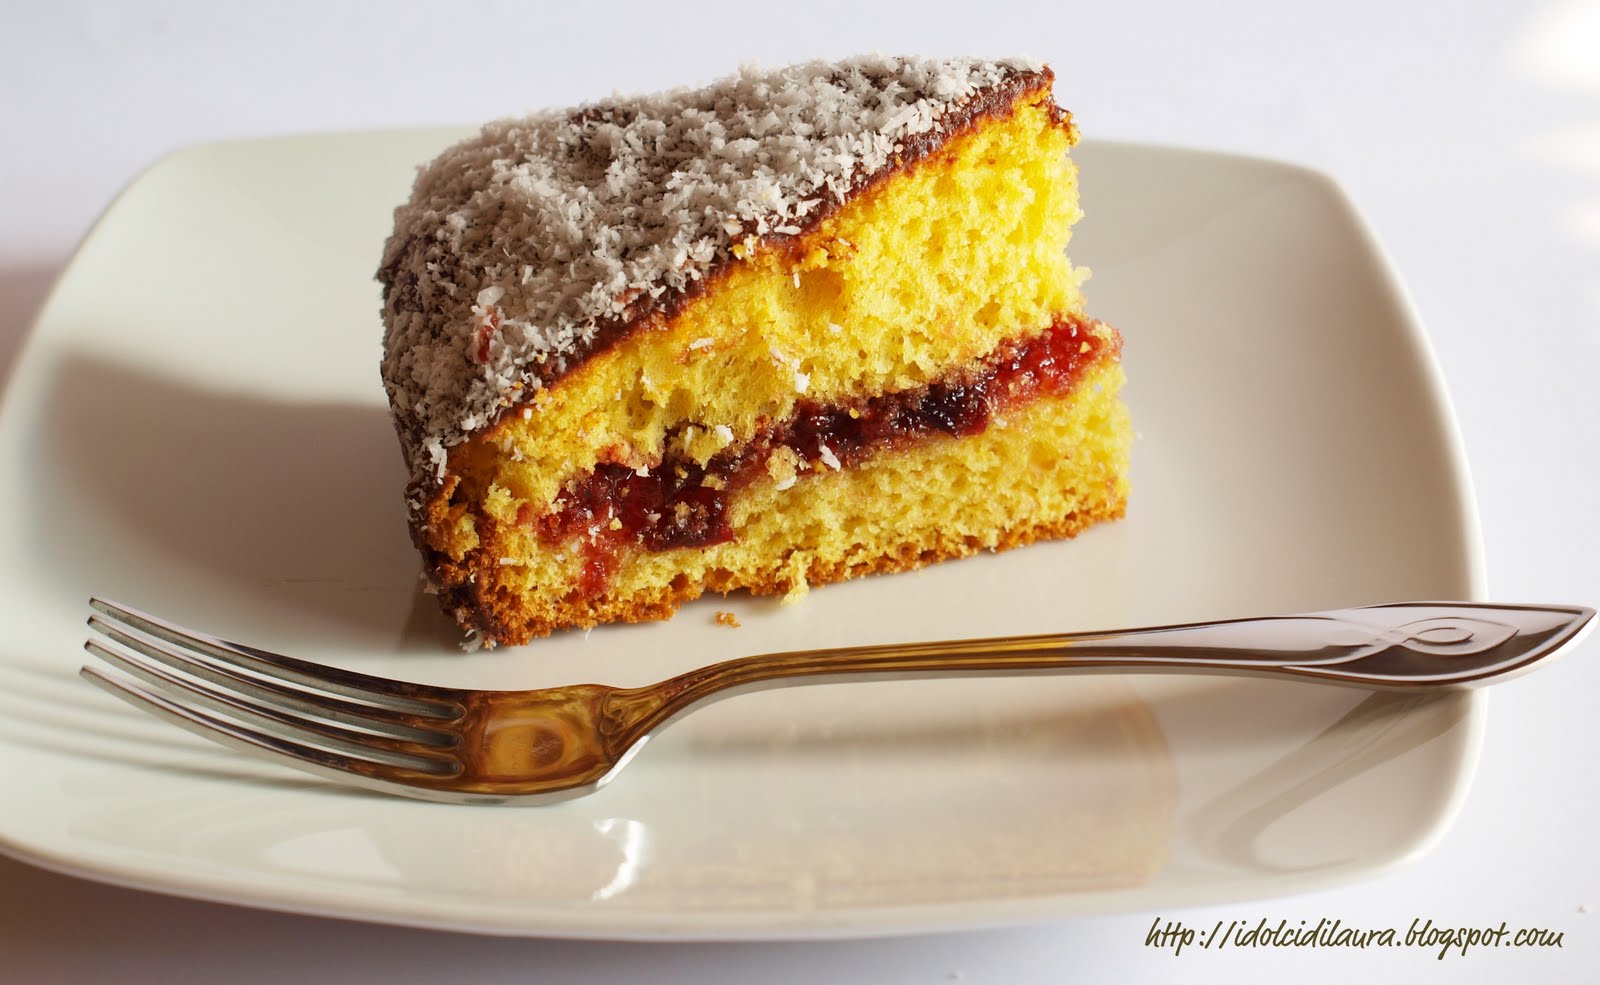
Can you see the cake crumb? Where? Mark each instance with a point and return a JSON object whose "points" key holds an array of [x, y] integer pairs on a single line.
{"points": [[726, 618], [795, 568], [784, 466]]}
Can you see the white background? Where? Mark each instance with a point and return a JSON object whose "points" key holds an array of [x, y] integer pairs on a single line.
{"points": [[1469, 134]]}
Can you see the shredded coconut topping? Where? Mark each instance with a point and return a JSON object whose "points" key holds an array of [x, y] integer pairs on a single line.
{"points": [[521, 246]]}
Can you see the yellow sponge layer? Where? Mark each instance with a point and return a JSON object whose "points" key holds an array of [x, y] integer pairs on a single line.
{"points": [[927, 271], [1049, 469]]}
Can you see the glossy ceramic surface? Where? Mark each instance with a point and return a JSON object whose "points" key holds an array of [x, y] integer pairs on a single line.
{"points": [[197, 427]]}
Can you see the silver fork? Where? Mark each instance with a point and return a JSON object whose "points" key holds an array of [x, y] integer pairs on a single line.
{"points": [[534, 747]]}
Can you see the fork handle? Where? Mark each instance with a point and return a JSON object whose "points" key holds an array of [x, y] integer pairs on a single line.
{"points": [[1404, 645]]}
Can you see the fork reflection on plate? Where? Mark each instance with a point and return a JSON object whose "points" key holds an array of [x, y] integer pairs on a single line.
{"points": [[532, 747]]}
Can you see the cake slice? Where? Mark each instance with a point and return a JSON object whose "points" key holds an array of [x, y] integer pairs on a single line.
{"points": [[794, 327]]}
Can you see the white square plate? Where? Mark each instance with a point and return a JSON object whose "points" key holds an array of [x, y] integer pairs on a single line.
{"points": [[196, 427]]}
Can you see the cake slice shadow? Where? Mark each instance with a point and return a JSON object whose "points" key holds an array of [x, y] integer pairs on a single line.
{"points": [[180, 497]]}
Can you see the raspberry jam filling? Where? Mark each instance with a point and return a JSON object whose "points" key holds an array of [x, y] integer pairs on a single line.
{"points": [[684, 504]]}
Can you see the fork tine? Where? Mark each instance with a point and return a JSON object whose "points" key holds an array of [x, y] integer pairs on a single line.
{"points": [[268, 692], [399, 696], [267, 720], [310, 758]]}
